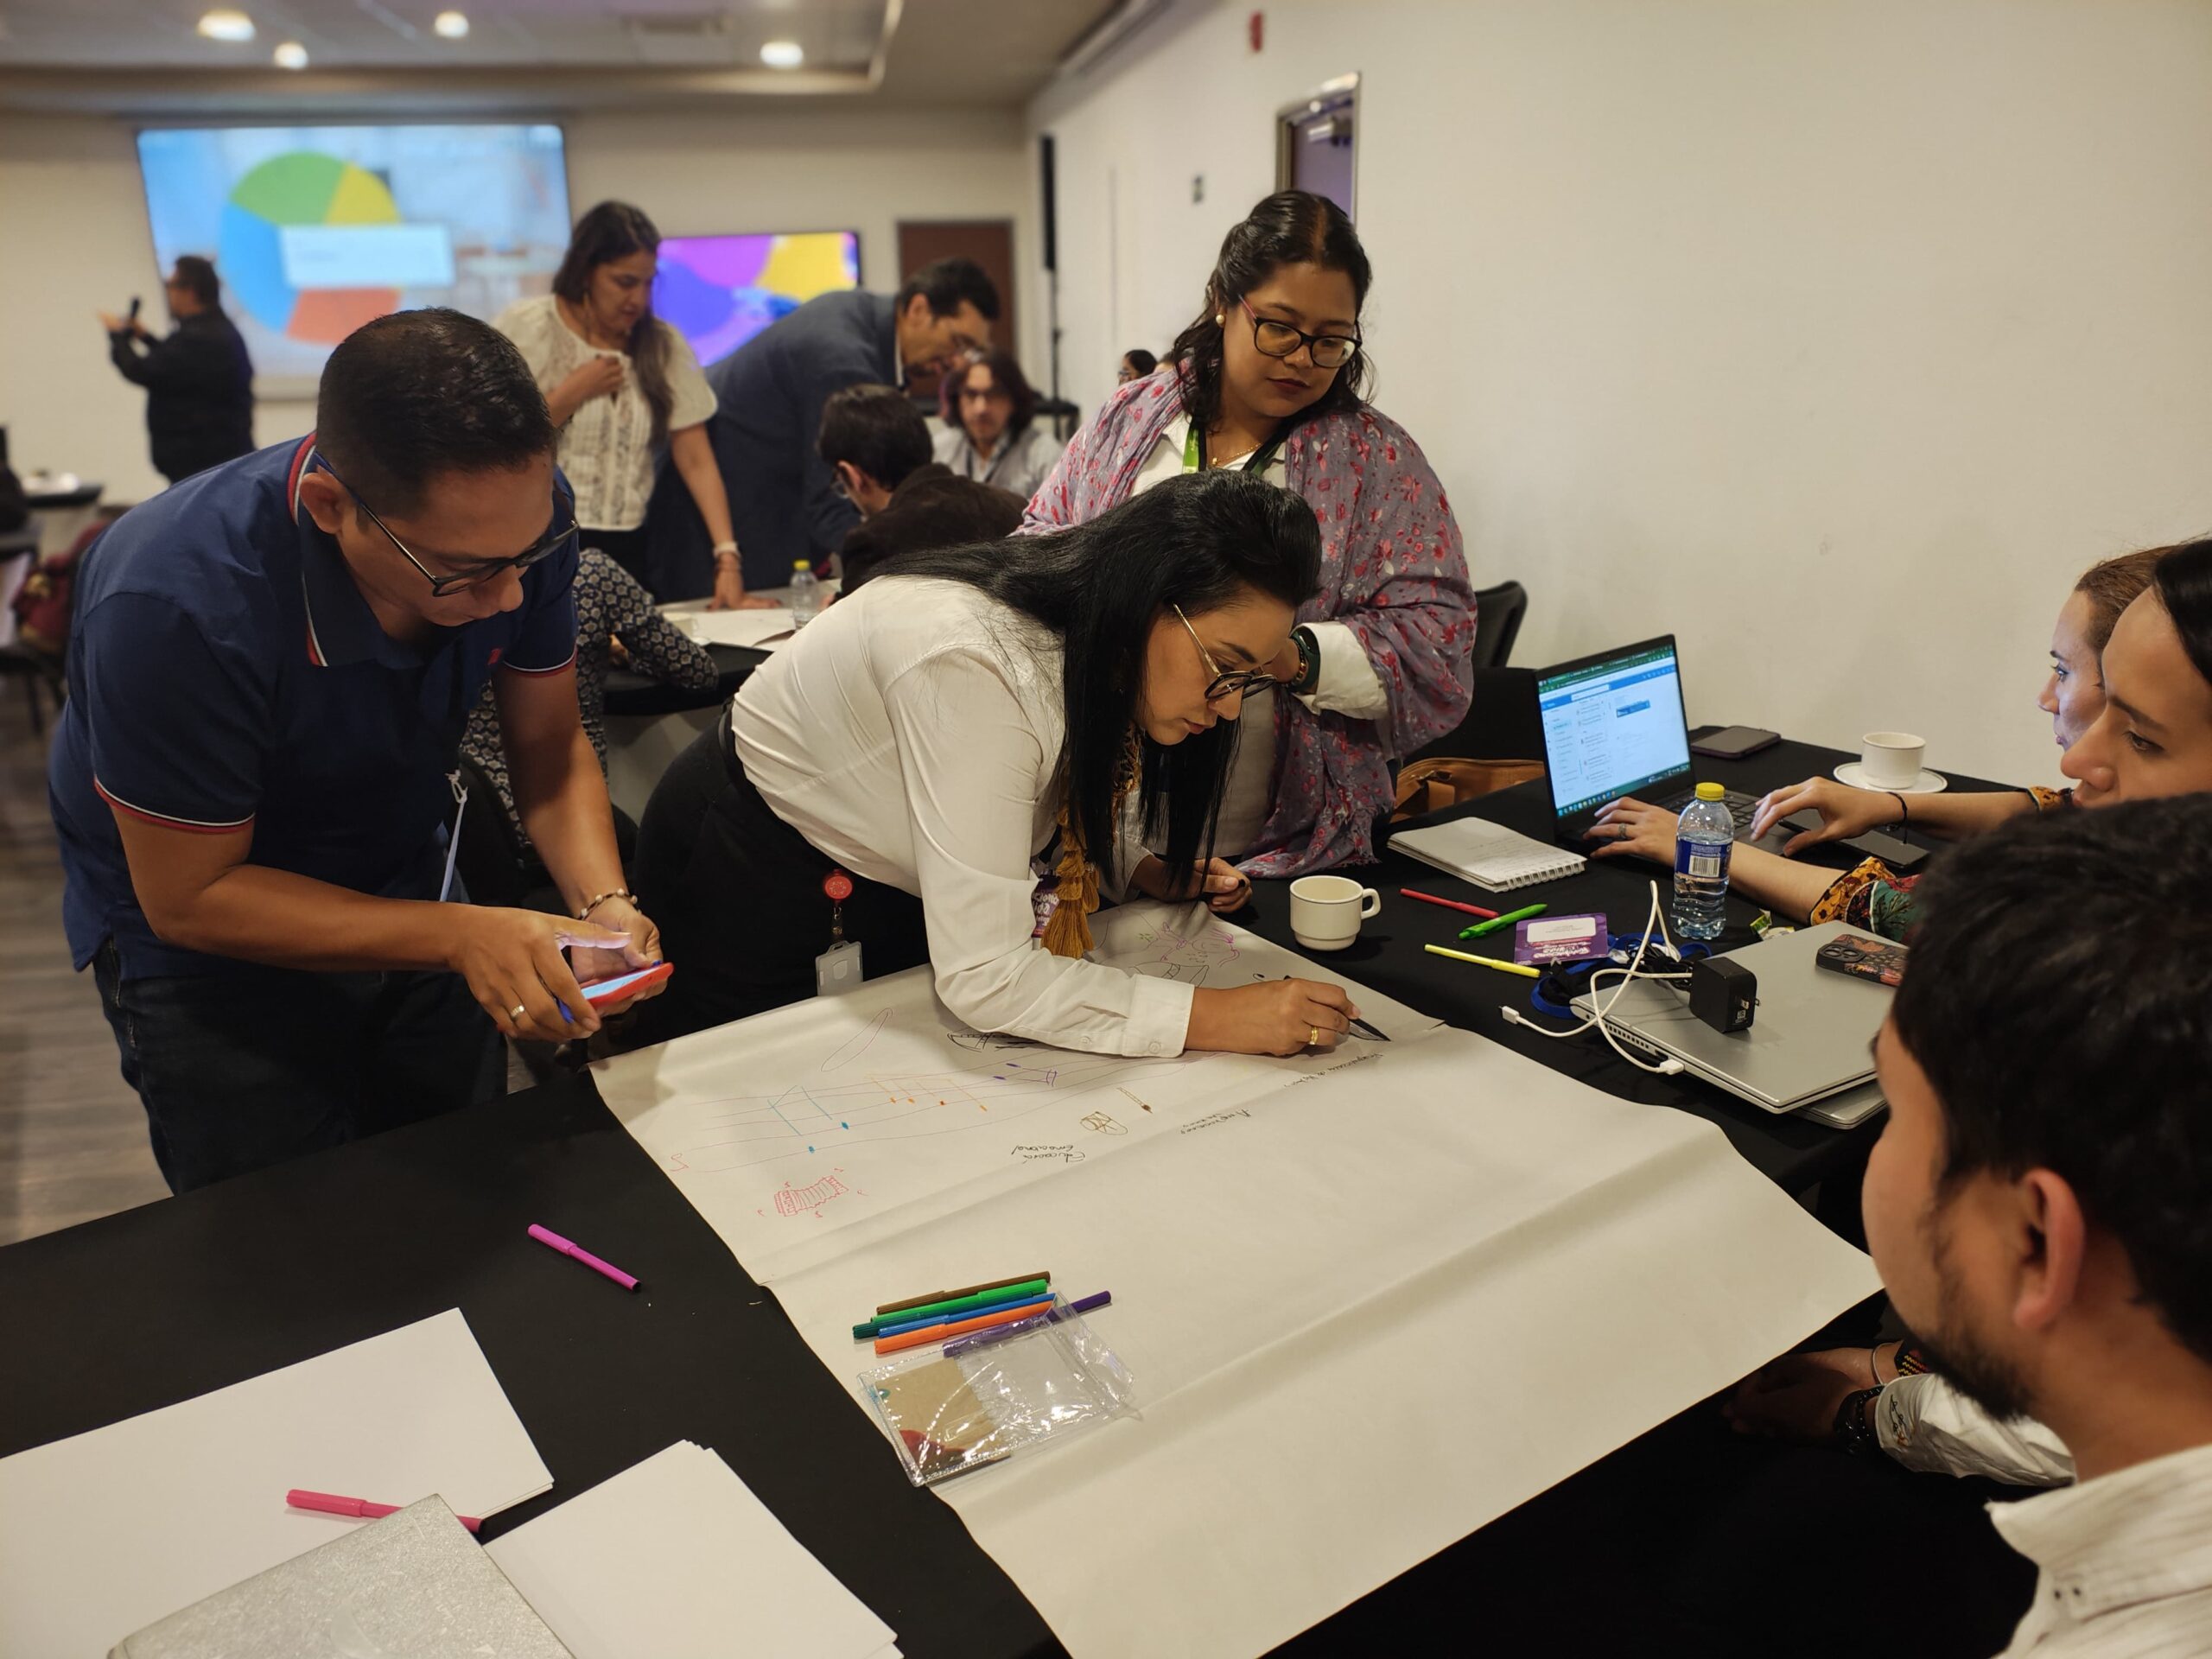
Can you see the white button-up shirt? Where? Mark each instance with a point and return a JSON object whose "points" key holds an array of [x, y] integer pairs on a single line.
{"points": [[912, 734], [2126, 1562], [1925, 1423]]}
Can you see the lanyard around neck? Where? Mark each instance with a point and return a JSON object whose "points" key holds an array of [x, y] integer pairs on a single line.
{"points": [[1194, 453]]}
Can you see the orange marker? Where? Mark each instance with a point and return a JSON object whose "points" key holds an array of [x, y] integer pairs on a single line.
{"points": [[960, 1327]]}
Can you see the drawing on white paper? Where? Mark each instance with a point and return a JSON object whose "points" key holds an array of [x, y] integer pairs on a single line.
{"points": [[1183, 947], [811, 1200], [859, 1043], [734, 1131], [1101, 1124]]}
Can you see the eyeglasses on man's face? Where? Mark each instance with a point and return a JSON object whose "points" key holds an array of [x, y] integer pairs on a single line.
{"points": [[1273, 339], [1225, 683], [477, 572]]}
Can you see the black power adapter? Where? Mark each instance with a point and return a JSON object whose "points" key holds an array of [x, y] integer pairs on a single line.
{"points": [[1723, 993]]}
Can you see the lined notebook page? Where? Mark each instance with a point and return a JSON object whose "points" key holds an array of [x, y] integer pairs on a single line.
{"points": [[1489, 854]]}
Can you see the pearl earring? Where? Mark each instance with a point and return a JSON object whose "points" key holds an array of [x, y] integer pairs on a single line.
{"points": [[1218, 320]]}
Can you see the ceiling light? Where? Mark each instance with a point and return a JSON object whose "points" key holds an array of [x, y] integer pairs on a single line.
{"points": [[451, 25], [783, 55], [225, 24], [290, 54]]}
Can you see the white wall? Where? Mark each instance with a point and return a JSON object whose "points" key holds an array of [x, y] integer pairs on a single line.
{"points": [[1835, 336], [72, 181]]}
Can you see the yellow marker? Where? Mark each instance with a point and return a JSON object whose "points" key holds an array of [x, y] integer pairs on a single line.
{"points": [[1487, 962]]}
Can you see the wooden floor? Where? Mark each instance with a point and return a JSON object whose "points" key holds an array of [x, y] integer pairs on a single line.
{"points": [[73, 1140]]}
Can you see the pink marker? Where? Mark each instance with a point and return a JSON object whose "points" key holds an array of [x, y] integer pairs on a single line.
{"points": [[329, 1503], [556, 1241]]}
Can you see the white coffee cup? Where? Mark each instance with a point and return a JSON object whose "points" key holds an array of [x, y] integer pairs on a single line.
{"points": [[1325, 911], [1891, 759]]}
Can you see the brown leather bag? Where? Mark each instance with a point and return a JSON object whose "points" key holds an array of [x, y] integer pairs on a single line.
{"points": [[1443, 780]]}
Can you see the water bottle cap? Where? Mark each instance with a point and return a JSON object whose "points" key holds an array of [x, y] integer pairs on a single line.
{"points": [[799, 565], [1711, 792]]}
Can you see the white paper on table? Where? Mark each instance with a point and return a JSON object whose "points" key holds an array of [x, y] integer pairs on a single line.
{"points": [[803, 1132], [1315, 1289], [674, 1557], [760, 630], [105, 1532]]}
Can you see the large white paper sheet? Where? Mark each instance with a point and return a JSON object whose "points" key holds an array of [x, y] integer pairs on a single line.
{"points": [[1312, 1288], [674, 1557], [108, 1531], [810, 1131], [762, 630]]}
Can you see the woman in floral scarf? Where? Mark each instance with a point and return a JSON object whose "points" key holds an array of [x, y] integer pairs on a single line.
{"points": [[1270, 378]]}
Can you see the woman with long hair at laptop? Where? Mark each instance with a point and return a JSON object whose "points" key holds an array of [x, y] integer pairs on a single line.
{"points": [[2130, 698], [1271, 377]]}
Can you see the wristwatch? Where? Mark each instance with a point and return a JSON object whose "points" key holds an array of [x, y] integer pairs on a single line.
{"points": [[1309, 661], [1854, 1428]]}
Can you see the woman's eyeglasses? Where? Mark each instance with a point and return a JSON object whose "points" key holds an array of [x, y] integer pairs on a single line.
{"points": [[1279, 339], [479, 573], [1225, 682]]}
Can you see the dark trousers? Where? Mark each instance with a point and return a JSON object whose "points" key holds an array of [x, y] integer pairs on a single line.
{"points": [[737, 895], [241, 1069]]}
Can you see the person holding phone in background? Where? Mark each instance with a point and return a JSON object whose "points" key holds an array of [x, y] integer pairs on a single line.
{"points": [[199, 378], [252, 779]]}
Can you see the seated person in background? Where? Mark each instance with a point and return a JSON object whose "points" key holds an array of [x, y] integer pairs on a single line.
{"points": [[2151, 658], [990, 433], [612, 609], [1135, 365], [2036, 1205], [878, 444]]}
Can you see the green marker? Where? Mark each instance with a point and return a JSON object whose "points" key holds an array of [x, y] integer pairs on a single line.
{"points": [[1506, 920], [954, 1308]]}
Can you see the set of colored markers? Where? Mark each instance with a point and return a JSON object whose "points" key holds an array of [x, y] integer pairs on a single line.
{"points": [[970, 1316]]}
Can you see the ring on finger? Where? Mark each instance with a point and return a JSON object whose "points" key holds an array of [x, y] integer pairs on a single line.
{"points": [[516, 1012], [1312, 1036]]}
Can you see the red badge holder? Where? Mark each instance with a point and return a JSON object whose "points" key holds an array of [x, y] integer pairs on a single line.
{"points": [[837, 969]]}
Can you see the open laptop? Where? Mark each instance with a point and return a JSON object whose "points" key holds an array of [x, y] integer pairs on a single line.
{"points": [[1807, 1047], [1613, 725]]}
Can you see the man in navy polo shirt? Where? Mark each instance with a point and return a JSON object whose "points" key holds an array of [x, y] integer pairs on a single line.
{"points": [[271, 669]]}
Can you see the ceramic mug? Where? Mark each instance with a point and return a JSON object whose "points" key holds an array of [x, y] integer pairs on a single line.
{"points": [[1325, 911], [1891, 759]]}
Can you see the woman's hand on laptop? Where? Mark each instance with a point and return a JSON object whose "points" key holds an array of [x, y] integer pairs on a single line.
{"points": [[1844, 812], [1628, 827]]}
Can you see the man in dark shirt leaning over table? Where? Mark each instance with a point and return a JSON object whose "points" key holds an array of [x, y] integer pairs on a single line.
{"points": [[270, 668]]}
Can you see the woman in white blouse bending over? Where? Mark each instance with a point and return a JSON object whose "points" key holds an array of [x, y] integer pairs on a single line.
{"points": [[926, 765], [620, 381]]}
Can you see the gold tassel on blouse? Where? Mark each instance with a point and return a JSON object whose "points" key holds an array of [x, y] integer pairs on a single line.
{"points": [[1067, 934]]}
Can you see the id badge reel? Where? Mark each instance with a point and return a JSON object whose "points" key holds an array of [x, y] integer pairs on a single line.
{"points": [[837, 969]]}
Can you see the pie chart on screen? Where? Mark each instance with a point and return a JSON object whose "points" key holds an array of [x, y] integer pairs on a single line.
{"points": [[302, 190]]}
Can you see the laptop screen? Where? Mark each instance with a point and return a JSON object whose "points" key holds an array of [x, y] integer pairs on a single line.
{"points": [[1613, 726]]}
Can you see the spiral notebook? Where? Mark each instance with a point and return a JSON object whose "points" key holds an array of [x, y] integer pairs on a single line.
{"points": [[1489, 854]]}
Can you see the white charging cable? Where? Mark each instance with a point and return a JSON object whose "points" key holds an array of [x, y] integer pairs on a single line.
{"points": [[1654, 921]]}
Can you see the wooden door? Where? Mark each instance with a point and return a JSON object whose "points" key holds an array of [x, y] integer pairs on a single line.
{"points": [[990, 243]]}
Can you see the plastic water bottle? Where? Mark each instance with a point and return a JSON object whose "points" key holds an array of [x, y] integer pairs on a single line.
{"points": [[806, 594], [1703, 843]]}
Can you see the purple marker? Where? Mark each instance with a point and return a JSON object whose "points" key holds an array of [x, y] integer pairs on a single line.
{"points": [[1022, 1327]]}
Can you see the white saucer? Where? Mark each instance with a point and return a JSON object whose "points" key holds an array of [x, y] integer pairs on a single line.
{"points": [[1929, 783]]}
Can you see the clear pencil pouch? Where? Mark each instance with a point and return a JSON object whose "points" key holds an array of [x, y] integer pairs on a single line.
{"points": [[1041, 1384]]}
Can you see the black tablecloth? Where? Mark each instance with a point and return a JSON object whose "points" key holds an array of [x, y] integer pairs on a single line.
{"points": [[631, 693], [140, 1309]]}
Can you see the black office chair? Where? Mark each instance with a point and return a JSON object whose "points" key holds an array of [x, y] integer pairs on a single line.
{"points": [[41, 674], [1498, 612]]}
